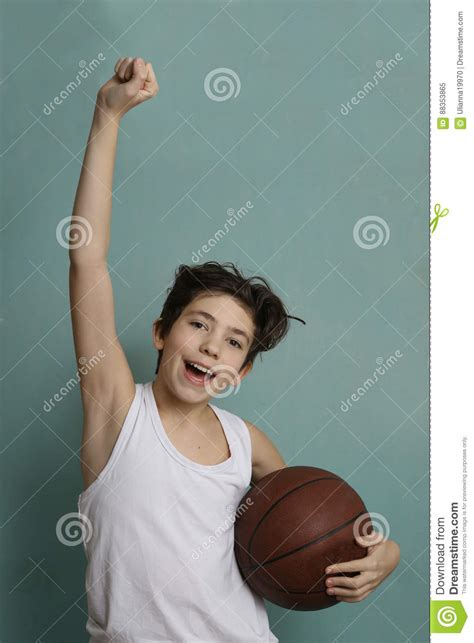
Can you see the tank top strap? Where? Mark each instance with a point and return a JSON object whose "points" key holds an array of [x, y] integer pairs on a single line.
{"points": [[238, 436]]}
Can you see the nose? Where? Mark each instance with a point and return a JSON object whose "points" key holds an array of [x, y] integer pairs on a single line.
{"points": [[210, 348]]}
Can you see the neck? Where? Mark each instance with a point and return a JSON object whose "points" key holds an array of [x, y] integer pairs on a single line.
{"points": [[172, 408]]}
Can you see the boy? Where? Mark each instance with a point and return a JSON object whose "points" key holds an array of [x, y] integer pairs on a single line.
{"points": [[164, 468]]}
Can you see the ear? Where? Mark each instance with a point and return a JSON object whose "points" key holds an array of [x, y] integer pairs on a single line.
{"points": [[156, 335]]}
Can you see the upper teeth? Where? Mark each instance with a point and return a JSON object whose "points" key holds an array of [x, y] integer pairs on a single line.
{"points": [[201, 368]]}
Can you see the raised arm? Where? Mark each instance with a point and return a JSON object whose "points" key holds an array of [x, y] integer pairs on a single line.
{"points": [[108, 387]]}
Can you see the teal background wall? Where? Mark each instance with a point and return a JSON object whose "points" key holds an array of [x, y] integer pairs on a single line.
{"points": [[184, 160]]}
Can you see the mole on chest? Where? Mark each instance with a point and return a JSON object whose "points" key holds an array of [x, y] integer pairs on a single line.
{"points": [[202, 449]]}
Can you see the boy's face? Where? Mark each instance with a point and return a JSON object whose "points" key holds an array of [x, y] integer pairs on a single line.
{"points": [[216, 332]]}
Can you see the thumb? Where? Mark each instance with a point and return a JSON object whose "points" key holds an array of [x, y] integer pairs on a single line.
{"points": [[370, 539]]}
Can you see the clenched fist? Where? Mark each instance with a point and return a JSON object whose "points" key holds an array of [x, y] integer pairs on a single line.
{"points": [[133, 83]]}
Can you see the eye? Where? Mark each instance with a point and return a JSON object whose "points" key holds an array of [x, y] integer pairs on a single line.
{"points": [[238, 344], [197, 322]]}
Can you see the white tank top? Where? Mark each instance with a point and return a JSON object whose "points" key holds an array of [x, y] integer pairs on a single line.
{"points": [[160, 560]]}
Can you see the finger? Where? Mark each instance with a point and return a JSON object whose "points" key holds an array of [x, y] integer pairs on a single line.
{"points": [[118, 63], [353, 600], [123, 67], [359, 565], [138, 74], [355, 582], [351, 593], [129, 69]]}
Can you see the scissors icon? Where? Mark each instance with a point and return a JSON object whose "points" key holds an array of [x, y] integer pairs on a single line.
{"points": [[439, 213]]}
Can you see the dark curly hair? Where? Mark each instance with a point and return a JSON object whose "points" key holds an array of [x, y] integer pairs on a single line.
{"points": [[268, 312]]}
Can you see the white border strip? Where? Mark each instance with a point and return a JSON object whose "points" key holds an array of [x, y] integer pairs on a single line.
{"points": [[452, 318]]}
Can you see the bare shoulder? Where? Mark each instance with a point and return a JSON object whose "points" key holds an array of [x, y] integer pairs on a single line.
{"points": [[265, 455], [261, 443], [252, 428]]}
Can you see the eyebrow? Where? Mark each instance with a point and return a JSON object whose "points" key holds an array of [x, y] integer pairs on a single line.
{"points": [[207, 315]]}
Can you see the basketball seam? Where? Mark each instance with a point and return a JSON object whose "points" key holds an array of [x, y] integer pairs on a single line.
{"points": [[273, 588], [280, 500], [312, 542]]}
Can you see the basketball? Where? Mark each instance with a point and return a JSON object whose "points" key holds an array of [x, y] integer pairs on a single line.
{"points": [[290, 526]]}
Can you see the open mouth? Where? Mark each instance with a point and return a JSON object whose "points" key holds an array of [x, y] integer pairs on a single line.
{"points": [[198, 372]]}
